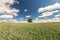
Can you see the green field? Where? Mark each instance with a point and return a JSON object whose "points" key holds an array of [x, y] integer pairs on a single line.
{"points": [[30, 31]]}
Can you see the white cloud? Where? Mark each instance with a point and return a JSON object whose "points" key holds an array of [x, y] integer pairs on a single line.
{"points": [[28, 16], [6, 9], [57, 15], [48, 11], [23, 22], [25, 10], [17, 21], [54, 20], [6, 16], [37, 19], [55, 11], [14, 20], [17, 2], [4, 21], [21, 18], [47, 20], [49, 8], [11, 20], [45, 14], [40, 16], [7, 1]]}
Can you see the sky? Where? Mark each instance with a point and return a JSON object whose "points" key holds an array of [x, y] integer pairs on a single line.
{"points": [[38, 10]]}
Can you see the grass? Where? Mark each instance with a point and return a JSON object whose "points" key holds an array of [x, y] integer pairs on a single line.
{"points": [[30, 31]]}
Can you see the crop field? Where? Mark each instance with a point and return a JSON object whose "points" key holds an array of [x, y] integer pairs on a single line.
{"points": [[29, 31]]}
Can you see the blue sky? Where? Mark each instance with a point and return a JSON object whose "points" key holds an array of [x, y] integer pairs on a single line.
{"points": [[31, 6], [36, 9]]}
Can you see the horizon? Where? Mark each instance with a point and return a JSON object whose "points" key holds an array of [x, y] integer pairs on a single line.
{"points": [[38, 10]]}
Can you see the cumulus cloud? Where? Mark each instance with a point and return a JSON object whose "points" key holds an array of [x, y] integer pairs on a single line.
{"points": [[49, 8], [6, 16], [58, 15], [48, 11], [6, 10], [45, 14], [56, 19], [28, 16]]}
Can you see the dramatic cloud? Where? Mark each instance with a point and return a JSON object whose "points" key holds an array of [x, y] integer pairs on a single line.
{"points": [[49, 8], [6, 9]]}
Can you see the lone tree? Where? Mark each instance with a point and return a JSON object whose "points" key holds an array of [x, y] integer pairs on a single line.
{"points": [[30, 20]]}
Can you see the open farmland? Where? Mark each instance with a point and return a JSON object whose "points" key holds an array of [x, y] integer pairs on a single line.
{"points": [[30, 31]]}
